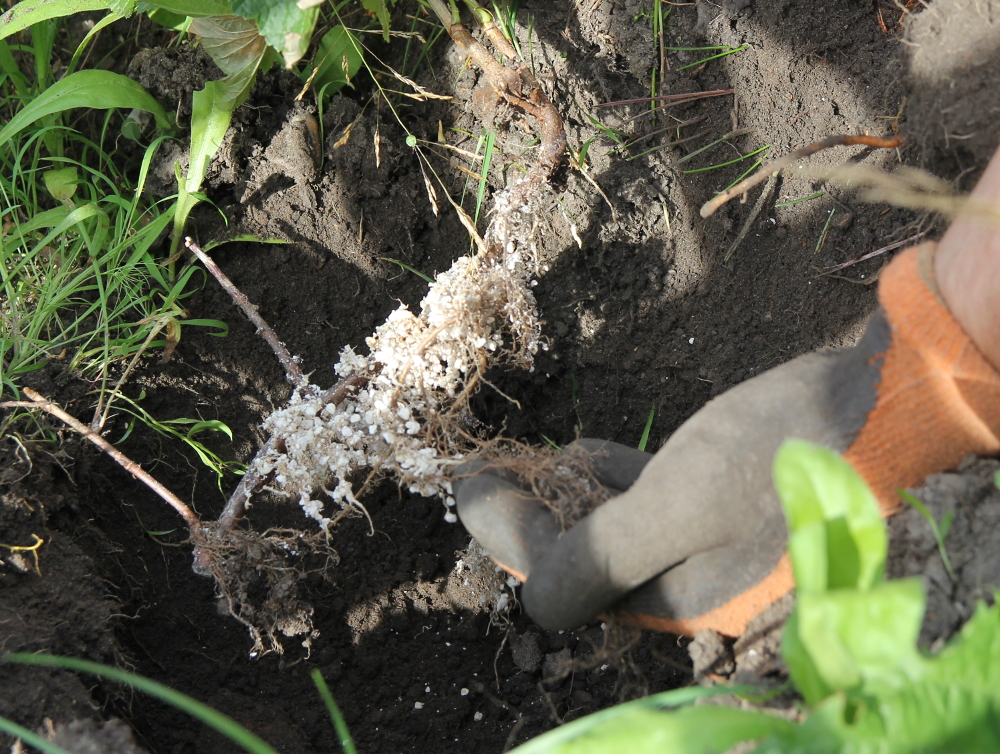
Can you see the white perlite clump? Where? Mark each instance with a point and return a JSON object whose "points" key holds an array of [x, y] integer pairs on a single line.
{"points": [[420, 372]]}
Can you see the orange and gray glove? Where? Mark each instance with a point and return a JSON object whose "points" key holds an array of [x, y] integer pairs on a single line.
{"points": [[697, 538]]}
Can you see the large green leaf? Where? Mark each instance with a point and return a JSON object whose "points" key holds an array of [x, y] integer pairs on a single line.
{"points": [[856, 638], [237, 48], [286, 27], [28, 12], [837, 538], [973, 657], [692, 730], [101, 90], [646, 726]]}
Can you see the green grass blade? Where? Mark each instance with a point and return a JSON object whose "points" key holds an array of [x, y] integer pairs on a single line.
{"points": [[97, 89], [30, 12], [713, 57], [939, 535], [730, 162], [32, 739], [338, 719], [801, 199], [222, 723], [826, 229], [649, 425], [491, 136], [405, 266]]}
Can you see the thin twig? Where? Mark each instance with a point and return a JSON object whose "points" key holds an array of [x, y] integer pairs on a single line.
{"points": [[38, 401], [771, 183], [685, 96], [872, 254], [709, 208], [292, 372]]}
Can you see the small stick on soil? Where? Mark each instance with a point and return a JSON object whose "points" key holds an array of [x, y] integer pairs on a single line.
{"points": [[687, 96], [37, 401], [772, 181], [292, 372], [709, 208], [872, 254]]}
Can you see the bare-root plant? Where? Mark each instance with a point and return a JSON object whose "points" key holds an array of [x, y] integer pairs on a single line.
{"points": [[402, 409]]}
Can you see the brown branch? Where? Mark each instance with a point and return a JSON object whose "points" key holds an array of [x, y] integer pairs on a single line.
{"points": [[709, 208], [38, 401], [292, 372]]}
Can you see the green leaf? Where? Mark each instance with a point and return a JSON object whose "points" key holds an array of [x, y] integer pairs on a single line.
{"points": [[238, 49], [244, 237], [858, 637], [698, 730], [837, 538], [29, 12], [286, 27], [213, 425], [236, 46], [61, 183], [973, 656], [381, 11], [644, 726], [337, 60], [193, 8], [101, 90]]}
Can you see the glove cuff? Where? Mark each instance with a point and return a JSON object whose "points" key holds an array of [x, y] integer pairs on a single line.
{"points": [[938, 398]]}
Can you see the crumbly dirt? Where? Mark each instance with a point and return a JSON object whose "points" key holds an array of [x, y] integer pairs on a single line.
{"points": [[641, 309]]}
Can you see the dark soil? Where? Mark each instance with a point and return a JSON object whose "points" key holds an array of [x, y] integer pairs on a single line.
{"points": [[642, 311]]}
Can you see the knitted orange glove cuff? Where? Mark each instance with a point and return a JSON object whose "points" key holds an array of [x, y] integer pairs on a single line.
{"points": [[938, 397]]}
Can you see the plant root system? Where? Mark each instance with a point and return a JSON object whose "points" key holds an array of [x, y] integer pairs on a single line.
{"points": [[403, 408]]}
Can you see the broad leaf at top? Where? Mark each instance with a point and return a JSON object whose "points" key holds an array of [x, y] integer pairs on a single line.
{"points": [[285, 26]]}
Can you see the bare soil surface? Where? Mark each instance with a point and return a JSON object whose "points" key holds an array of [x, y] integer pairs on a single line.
{"points": [[641, 307]]}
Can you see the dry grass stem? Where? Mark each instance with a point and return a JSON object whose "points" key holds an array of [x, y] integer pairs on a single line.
{"points": [[775, 166]]}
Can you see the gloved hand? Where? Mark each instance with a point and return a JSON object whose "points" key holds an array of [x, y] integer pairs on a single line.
{"points": [[697, 538]]}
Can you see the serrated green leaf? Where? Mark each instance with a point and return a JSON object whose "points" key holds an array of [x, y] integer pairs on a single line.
{"points": [[381, 11], [286, 27], [101, 90], [337, 60], [29, 12]]}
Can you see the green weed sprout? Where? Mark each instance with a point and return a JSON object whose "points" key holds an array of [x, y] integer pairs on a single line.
{"points": [[850, 647], [649, 425], [940, 531]]}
